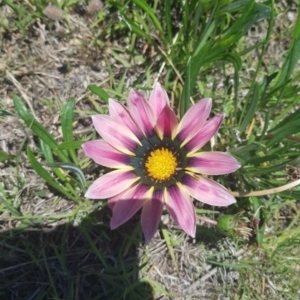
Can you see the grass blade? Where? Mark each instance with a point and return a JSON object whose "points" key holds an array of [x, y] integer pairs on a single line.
{"points": [[43, 173], [251, 110], [37, 128], [100, 92], [67, 126], [73, 168]]}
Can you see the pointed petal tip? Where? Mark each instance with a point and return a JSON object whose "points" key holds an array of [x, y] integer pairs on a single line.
{"points": [[158, 99], [148, 238], [207, 100], [83, 146], [213, 163], [192, 234], [181, 208], [141, 112], [208, 191], [157, 85], [94, 117], [151, 214], [193, 120], [111, 100], [113, 225], [133, 93], [233, 201], [88, 195]]}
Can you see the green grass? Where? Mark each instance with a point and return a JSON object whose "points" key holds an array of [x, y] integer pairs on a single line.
{"points": [[56, 244]]}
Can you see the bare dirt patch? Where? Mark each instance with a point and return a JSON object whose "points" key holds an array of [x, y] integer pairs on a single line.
{"points": [[57, 60]]}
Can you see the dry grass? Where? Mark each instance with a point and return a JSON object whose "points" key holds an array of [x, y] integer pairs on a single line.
{"points": [[65, 247]]}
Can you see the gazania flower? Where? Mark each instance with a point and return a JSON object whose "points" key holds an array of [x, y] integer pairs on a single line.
{"points": [[157, 161]]}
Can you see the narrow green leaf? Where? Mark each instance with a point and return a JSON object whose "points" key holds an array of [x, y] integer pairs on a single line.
{"points": [[43, 173], [37, 128], [259, 217], [288, 120], [186, 93], [70, 145], [5, 156], [67, 125], [147, 9], [197, 60], [246, 151], [250, 110], [136, 29], [168, 20], [203, 40], [292, 57], [100, 92], [70, 167], [46, 150], [283, 131], [67, 120], [156, 286], [169, 245], [49, 158]]}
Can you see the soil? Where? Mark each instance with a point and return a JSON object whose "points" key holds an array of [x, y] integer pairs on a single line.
{"points": [[57, 60]]}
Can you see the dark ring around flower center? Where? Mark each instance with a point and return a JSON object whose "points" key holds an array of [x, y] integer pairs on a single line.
{"points": [[148, 147]]}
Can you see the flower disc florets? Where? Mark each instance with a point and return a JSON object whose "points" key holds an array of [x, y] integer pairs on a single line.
{"points": [[157, 161]]}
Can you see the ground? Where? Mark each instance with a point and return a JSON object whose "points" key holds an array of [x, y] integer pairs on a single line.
{"points": [[54, 248]]}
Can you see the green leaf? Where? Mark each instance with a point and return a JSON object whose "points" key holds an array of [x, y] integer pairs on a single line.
{"points": [[186, 93], [169, 245], [49, 158], [67, 120], [67, 125], [100, 92], [259, 217], [168, 20], [147, 9], [58, 172], [43, 173], [136, 29], [5, 156], [70, 167], [250, 110], [196, 61], [283, 131], [37, 128], [70, 145], [292, 57], [288, 120]]}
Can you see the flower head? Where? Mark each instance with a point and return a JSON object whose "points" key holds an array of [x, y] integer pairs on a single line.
{"points": [[157, 161]]}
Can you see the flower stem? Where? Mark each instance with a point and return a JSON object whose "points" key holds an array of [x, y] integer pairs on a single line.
{"points": [[207, 220], [267, 192]]}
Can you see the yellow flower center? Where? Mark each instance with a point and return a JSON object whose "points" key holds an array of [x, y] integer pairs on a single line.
{"points": [[161, 164]]}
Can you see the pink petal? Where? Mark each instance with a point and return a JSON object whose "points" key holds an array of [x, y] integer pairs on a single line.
{"points": [[111, 202], [181, 209], [205, 133], [193, 120], [158, 99], [128, 204], [207, 191], [213, 163], [119, 112], [115, 134], [151, 215], [104, 154], [166, 123], [111, 184], [141, 112]]}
